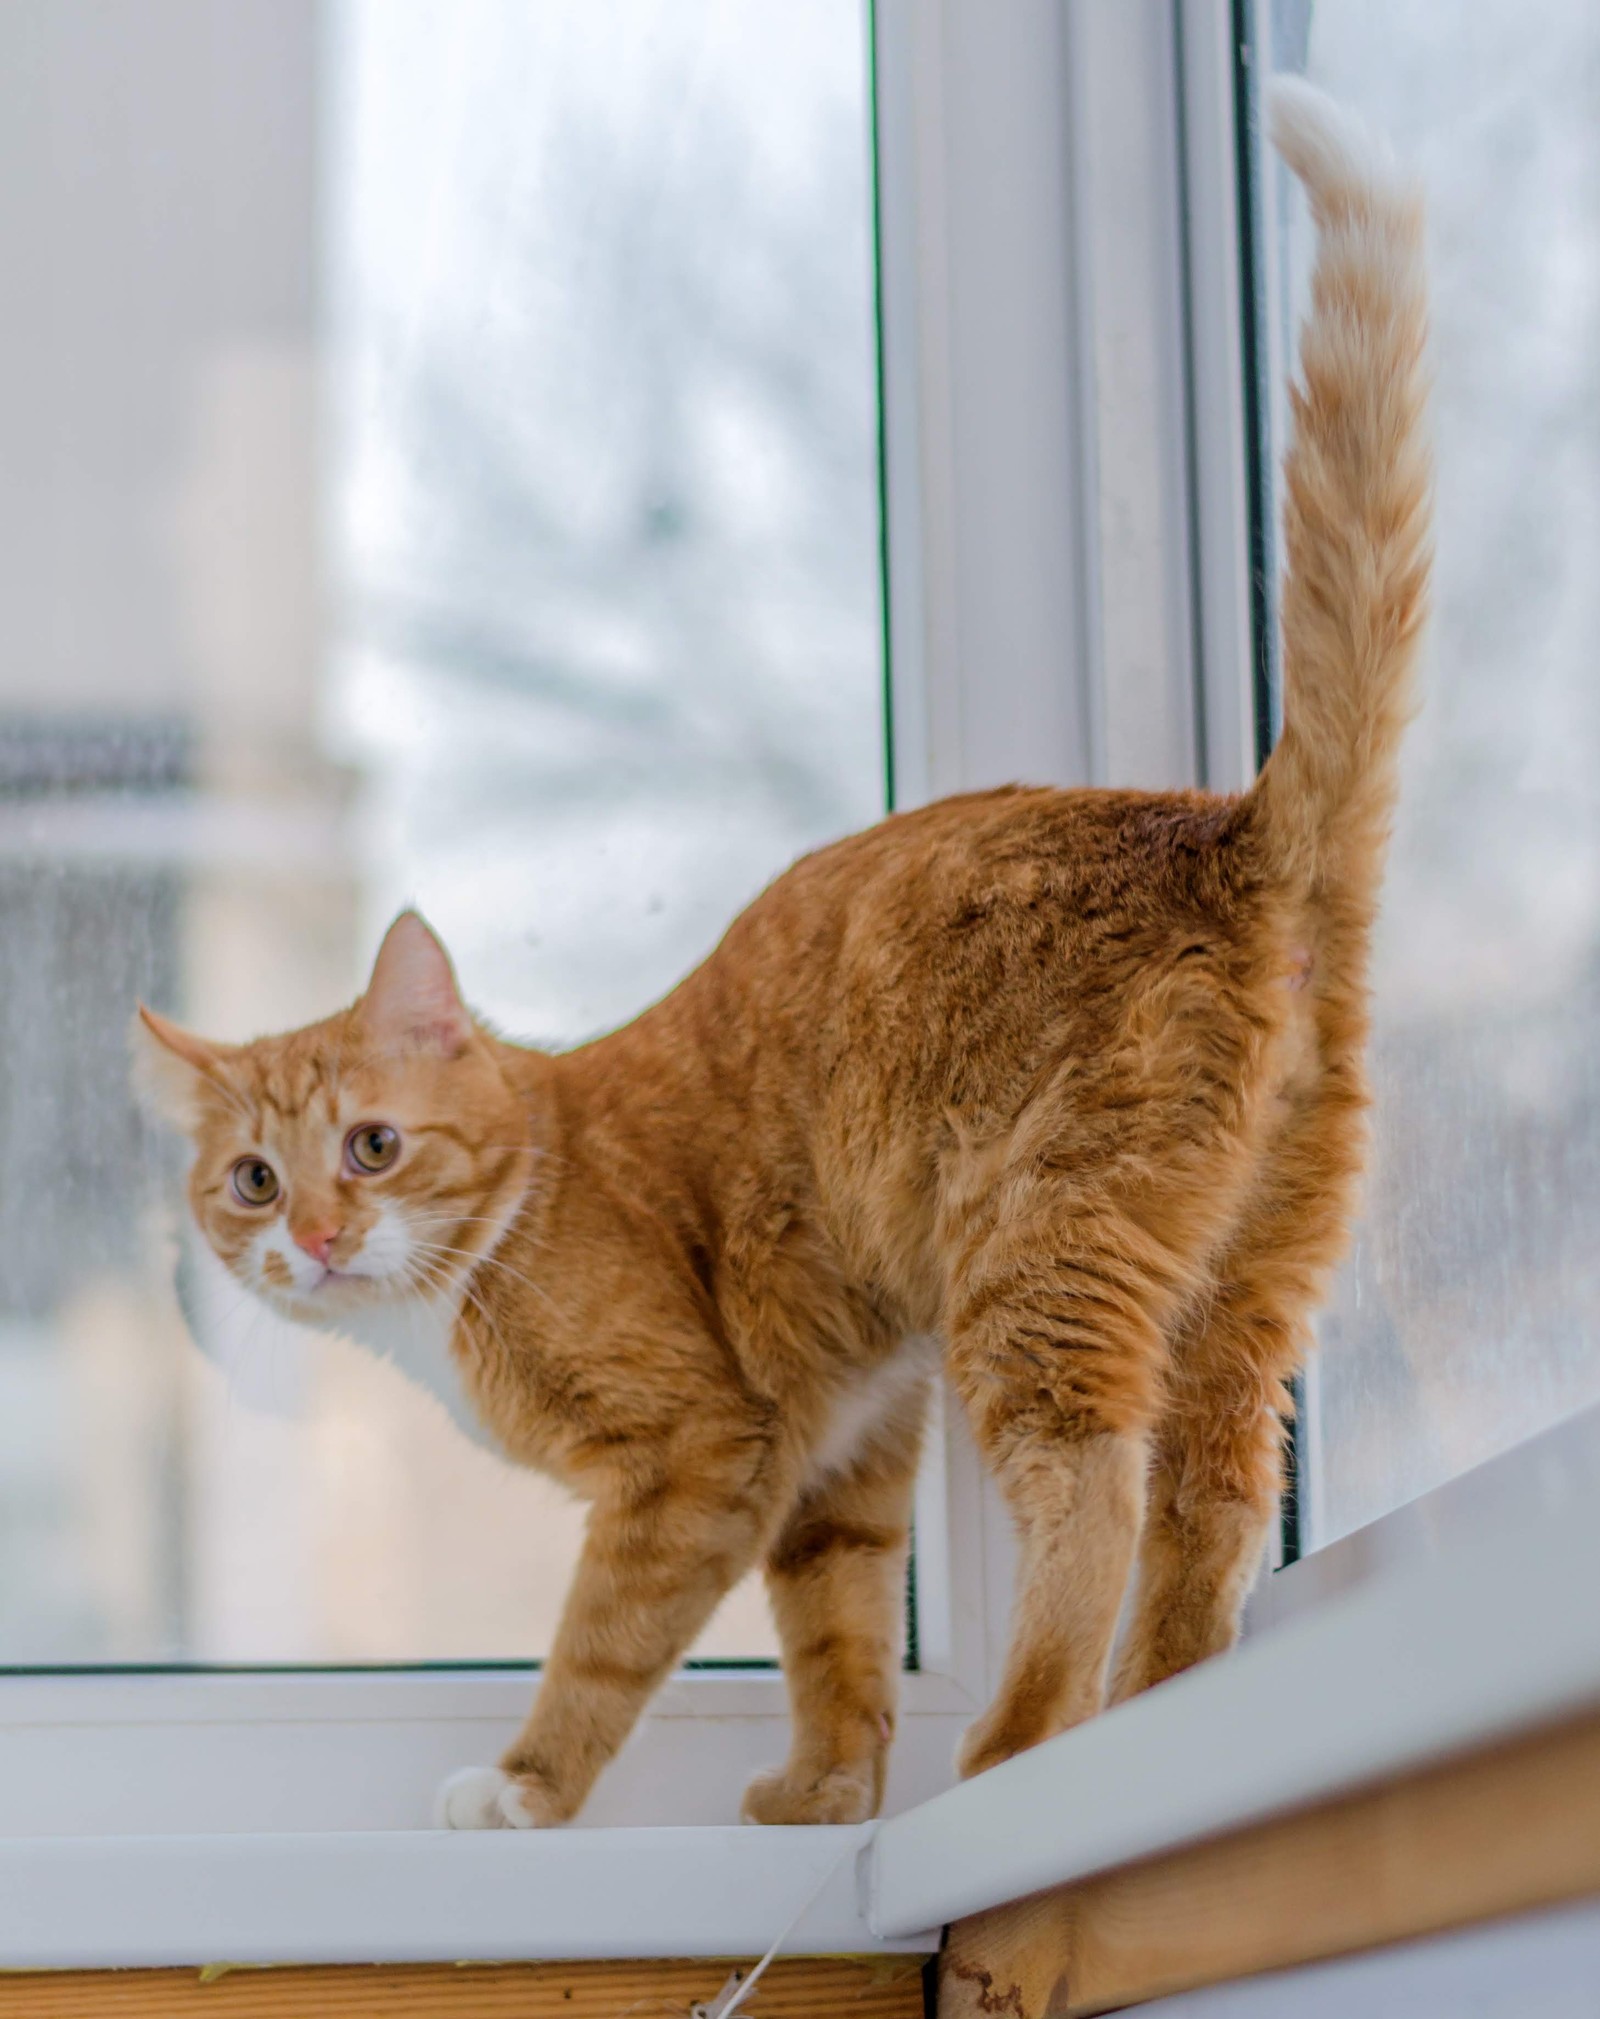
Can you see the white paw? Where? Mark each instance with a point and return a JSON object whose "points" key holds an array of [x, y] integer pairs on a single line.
{"points": [[516, 1811], [471, 1800], [483, 1798]]}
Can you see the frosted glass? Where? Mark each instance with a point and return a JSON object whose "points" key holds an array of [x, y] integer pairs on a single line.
{"points": [[441, 467], [1469, 1317]]}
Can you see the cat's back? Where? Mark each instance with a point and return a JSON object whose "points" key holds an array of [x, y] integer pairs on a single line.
{"points": [[915, 987], [800, 1089], [942, 948], [942, 894]]}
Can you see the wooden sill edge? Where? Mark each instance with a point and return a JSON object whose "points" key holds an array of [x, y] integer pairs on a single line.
{"points": [[1491, 1833], [800, 1987]]}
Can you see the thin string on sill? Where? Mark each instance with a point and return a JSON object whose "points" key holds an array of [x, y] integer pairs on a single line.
{"points": [[738, 1987]]}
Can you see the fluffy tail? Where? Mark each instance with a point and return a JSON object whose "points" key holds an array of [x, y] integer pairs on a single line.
{"points": [[1356, 519]]}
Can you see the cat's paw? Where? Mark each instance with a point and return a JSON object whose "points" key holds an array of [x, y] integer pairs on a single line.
{"points": [[484, 1798], [988, 1742], [527, 1804], [470, 1800], [846, 1795]]}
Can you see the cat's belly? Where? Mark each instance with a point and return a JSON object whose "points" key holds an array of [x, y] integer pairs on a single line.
{"points": [[415, 1338], [867, 1404]]}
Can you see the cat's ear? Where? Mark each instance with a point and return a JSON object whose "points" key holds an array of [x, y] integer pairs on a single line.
{"points": [[412, 1002], [172, 1068]]}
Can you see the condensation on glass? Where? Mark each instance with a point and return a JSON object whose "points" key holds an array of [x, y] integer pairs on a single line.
{"points": [[1469, 1317], [440, 467]]}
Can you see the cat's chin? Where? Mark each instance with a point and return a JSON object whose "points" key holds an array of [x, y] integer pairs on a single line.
{"points": [[331, 1304], [410, 1329]]}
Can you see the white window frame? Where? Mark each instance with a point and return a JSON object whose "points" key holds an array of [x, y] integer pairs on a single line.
{"points": [[1069, 601]]}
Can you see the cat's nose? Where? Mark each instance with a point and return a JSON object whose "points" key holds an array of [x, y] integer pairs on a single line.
{"points": [[317, 1242]]}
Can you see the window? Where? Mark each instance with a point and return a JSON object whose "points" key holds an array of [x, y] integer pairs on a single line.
{"points": [[1466, 1320], [359, 566], [491, 519], [444, 465], [441, 467]]}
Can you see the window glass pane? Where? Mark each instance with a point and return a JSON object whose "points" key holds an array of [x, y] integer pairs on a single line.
{"points": [[440, 467], [1470, 1315]]}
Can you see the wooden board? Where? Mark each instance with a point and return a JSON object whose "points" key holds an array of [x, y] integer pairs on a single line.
{"points": [[1476, 1838], [802, 1987]]}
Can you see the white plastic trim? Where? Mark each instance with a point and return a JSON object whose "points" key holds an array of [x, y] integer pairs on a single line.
{"points": [[176, 1755], [145, 1902], [1490, 1636], [1131, 368], [1534, 1482], [1219, 454], [1042, 588], [362, 1696], [1464, 1631], [988, 538]]}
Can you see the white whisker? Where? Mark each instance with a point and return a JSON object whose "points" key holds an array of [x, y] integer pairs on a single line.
{"points": [[488, 1262]]}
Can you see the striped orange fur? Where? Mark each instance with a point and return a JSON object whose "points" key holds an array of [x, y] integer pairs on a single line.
{"points": [[1069, 1081]]}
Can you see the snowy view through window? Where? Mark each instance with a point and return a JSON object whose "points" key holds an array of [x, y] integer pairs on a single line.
{"points": [[441, 467], [460, 426], [1470, 1317]]}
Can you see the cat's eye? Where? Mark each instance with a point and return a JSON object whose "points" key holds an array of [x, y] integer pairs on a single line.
{"points": [[373, 1147], [255, 1183]]}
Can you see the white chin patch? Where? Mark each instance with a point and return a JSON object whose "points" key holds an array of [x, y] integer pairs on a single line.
{"points": [[481, 1798], [304, 1274]]}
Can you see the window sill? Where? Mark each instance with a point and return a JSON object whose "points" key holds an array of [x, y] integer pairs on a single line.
{"points": [[1487, 1632], [1481, 1839], [1478, 1631], [289, 1754], [419, 1896]]}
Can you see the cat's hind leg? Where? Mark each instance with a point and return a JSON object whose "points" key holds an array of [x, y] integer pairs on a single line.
{"points": [[836, 1580], [1074, 1246], [1057, 1337], [1216, 1464], [1218, 1449]]}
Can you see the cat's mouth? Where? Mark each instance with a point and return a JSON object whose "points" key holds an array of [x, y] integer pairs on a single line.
{"points": [[328, 1284], [335, 1277], [312, 1289]]}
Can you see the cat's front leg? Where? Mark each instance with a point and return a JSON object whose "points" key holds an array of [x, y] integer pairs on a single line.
{"points": [[655, 1562], [836, 1576]]}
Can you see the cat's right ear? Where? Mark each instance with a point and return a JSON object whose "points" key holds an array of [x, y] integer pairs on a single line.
{"points": [[412, 1002], [172, 1068]]}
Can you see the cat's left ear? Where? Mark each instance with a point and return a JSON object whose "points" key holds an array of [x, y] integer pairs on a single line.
{"points": [[172, 1068], [412, 1002]]}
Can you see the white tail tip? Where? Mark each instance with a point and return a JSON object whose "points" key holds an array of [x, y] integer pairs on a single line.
{"points": [[1339, 159]]}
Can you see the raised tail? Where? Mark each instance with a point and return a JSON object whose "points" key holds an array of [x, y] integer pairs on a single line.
{"points": [[1357, 512]]}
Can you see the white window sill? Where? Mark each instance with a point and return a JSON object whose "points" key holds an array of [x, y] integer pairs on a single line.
{"points": [[286, 1754], [431, 1896], [1473, 1621], [1467, 1618]]}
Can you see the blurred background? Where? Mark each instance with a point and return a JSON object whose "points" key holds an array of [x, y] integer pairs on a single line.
{"points": [[440, 467], [1467, 1320]]}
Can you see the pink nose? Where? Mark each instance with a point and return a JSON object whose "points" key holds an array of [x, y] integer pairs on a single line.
{"points": [[318, 1242]]}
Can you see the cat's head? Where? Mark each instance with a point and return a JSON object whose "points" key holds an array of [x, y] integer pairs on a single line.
{"points": [[361, 1161]]}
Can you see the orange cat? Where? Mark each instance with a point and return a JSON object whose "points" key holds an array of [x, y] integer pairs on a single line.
{"points": [[1070, 1081]]}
